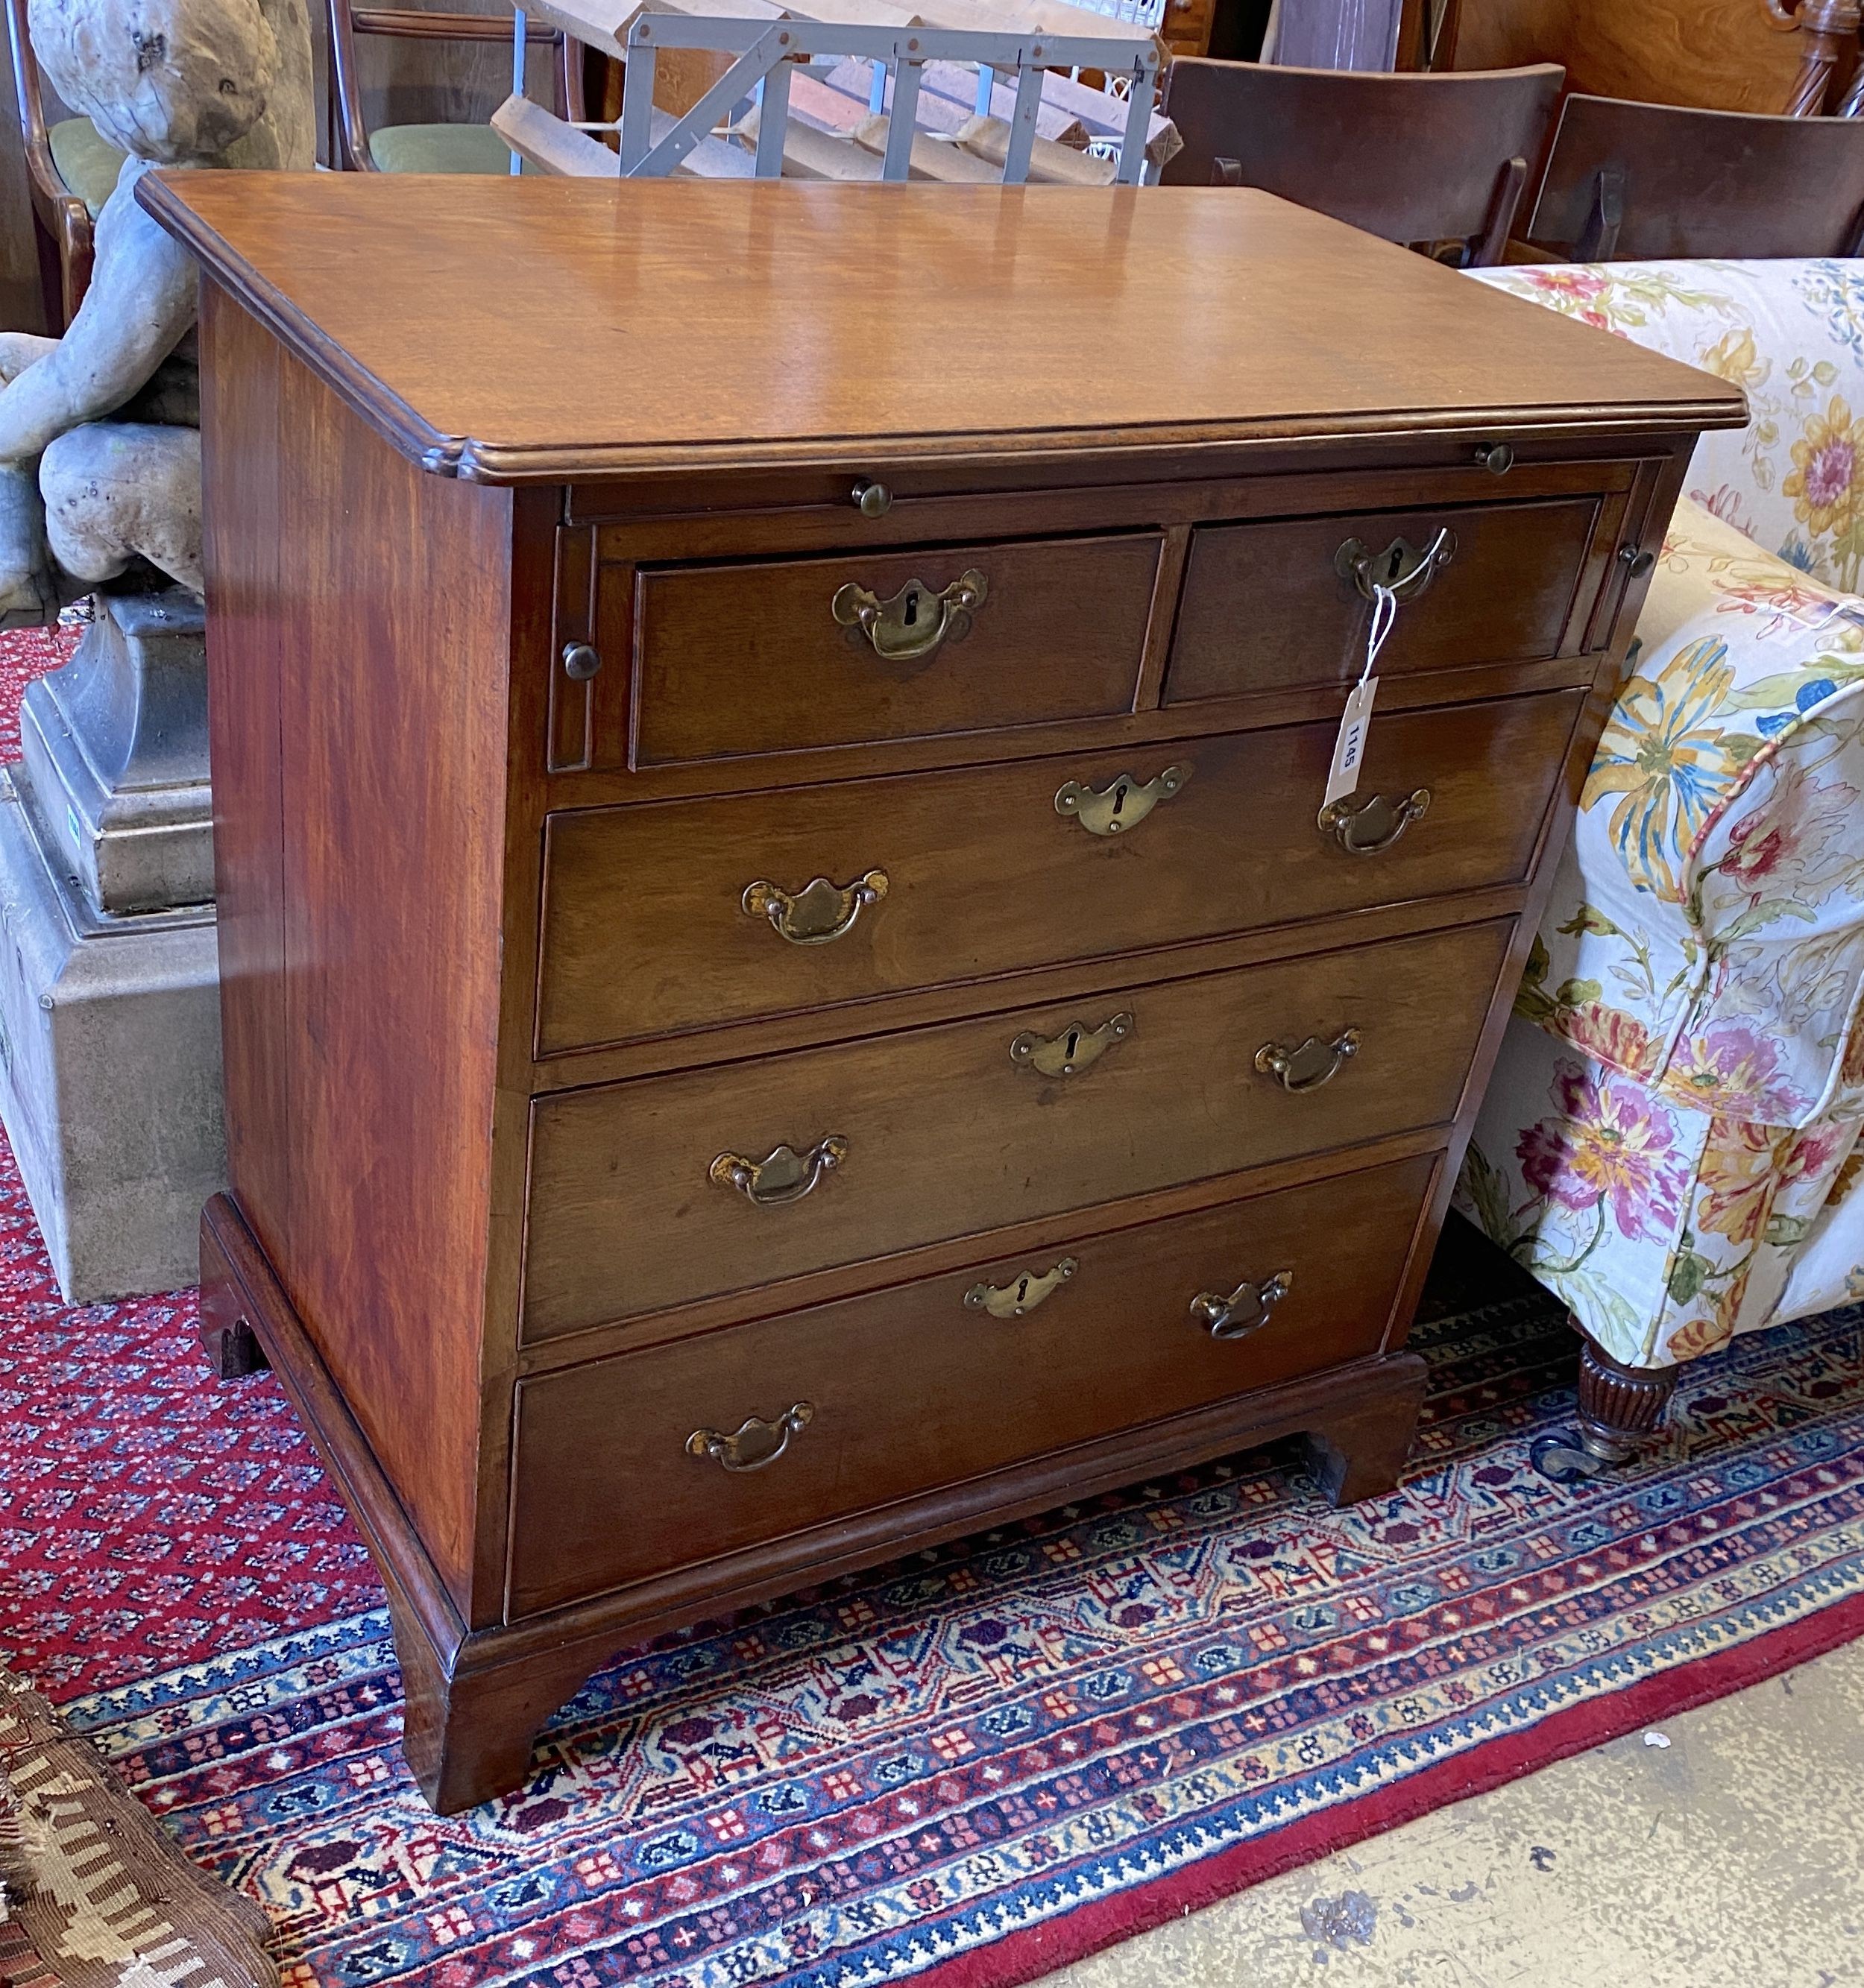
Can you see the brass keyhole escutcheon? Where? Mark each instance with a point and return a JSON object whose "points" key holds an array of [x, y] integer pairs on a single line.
{"points": [[1029, 1290], [1122, 804], [1075, 1048], [917, 620], [1402, 570]]}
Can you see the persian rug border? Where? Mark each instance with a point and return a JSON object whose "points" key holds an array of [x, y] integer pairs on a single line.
{"points": [[1032, 1952]]}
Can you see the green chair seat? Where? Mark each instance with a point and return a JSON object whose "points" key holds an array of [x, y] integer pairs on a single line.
{"points": [[87, 162], [439, 148]]}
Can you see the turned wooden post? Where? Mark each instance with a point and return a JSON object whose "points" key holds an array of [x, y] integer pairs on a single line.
{"points": [[1830, 52], [1620, 1408]]}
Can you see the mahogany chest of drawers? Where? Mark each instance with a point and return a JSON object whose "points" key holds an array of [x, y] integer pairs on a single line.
{"points": [[789, 992]]}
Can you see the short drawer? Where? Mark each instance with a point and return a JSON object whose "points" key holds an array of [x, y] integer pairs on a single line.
{"points": [[681, 914], [925, 1385], [779, 656], [1266, 608], [637, 1198]]}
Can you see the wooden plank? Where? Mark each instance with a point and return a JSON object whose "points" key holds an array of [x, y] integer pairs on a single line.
{"points": [[1034, 17], [603, 24], [948, 96], [547, 142], [811, 154], [594, 23], [932, 158], [1104, 115], [882, 14], [989, 138], [816, 103], [543, 137]]}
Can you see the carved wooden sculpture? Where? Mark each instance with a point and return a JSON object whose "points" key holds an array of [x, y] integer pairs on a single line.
{"points": [[100, 452]]}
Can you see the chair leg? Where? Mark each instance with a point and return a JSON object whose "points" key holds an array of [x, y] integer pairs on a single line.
{"points": [[1620, 1408]]}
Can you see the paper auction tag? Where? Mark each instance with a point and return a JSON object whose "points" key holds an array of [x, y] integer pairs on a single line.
{"points": [[1356, 719], [1349, 747]]}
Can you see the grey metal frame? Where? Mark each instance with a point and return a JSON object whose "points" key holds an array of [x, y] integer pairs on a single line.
{"points": [[765, 49]]}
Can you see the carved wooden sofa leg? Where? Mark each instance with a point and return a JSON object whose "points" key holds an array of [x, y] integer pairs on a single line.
{"points": [[1620, 1408]]}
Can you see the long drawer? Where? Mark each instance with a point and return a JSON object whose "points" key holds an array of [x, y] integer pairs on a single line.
{"points": [[665, 1457], [678, 914], [659, 1192]]}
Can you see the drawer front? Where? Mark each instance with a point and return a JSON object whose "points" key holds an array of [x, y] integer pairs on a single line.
{"points": [[768, 657], [646, 932], [942, 1132], [913, 1387], [1521, 576]]}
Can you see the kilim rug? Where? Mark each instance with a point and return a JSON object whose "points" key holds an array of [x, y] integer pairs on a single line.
{"points": [[966, 1768]]}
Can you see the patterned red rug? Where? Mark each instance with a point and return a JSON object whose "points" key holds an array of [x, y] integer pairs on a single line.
{"points": [[969, 1767]]}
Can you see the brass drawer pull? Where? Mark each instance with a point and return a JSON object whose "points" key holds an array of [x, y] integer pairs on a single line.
{"points": [[1376, 823], [916, 619], [785, 1175], [754, 1443], [1077, 1047], [1121, 804], [818, 913], [1247, 1309], [1313, 1064], [1011, 1300], [1403, 569]]}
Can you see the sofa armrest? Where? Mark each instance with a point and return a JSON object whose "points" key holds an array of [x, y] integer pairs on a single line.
{"points": [[1787, 334], [1707, 929]]}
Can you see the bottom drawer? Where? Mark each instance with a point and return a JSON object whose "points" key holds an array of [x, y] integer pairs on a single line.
{"points": [[925, 1384]]}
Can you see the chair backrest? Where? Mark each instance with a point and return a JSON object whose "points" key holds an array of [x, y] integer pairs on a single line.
{"points": [[350, 127], [1631, 182], [62, 224], [1416, 157]]}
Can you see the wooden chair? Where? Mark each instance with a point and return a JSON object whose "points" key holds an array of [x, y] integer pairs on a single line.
{"points": [[1626, 182], [1425, 158], [456, 147], [71, 171]]}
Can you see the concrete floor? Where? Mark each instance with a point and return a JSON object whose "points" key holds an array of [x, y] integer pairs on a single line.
{"points": [[1733, 1858]]}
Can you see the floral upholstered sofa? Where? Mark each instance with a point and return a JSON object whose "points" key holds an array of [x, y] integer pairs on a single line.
{"points": [[1670, 1142]]}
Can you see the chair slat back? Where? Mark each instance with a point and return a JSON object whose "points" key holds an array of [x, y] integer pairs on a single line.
{"points": [[1414, 158], [1638, 182]]}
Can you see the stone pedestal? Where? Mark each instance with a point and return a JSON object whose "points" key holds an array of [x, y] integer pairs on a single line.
{"points": [[109, 1004]]}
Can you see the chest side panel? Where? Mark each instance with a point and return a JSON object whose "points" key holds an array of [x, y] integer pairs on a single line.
{"points": [[360, 676]]}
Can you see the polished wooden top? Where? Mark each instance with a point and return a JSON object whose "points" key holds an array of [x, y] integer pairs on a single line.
{"points": [[529, 328]]}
